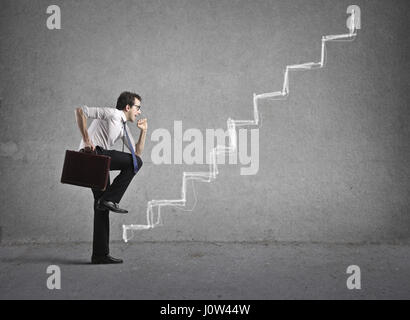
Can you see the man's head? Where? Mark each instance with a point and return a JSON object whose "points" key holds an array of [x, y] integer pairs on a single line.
{"points": [[130, 103]]}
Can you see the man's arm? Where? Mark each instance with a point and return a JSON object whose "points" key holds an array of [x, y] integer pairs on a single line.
{"points": [[139, 146], [82, 125]]}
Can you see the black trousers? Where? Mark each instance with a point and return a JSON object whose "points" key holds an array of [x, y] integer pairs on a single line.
{"points": [[114, 192]]}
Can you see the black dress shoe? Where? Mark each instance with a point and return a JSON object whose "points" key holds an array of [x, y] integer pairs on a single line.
{"points": [[109, 205], [104, 260]]}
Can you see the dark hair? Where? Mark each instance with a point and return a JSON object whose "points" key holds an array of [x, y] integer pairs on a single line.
{"points": [[126, 98]]}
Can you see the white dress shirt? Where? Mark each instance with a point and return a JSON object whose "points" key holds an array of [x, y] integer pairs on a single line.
{"points": [[107, 127]]}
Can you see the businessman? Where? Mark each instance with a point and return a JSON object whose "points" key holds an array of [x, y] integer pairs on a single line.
{"points": [[110, 124]]}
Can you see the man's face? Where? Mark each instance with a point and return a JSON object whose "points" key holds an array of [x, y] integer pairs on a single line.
{"points": [[134, 110]]}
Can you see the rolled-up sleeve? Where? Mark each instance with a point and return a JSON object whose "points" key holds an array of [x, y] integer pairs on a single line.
{"points": [[98, 113]]}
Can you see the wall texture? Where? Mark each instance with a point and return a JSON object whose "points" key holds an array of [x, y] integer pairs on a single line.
{"points": [[334, 157]]}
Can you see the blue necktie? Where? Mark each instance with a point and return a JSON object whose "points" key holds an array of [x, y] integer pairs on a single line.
{"points": [[134, 158]]}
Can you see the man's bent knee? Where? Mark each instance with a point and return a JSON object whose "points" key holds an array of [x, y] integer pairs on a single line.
{"points": [[139, 162]]}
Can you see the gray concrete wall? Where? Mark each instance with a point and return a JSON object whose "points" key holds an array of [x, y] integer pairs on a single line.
{"points": [[334, 157]]}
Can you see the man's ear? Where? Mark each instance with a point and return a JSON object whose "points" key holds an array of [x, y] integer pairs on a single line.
{"points": [[127, 108]]}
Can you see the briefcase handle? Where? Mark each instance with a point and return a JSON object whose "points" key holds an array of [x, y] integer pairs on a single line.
{"points": [[92, 152]]}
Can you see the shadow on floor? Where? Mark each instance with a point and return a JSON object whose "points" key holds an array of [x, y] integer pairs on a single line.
{"points": [[46, 260]]}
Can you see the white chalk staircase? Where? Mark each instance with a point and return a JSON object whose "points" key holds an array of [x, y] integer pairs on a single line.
{"points": [[210, 175]]}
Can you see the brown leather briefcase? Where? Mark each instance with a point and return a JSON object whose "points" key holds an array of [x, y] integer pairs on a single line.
{"points": [[86, 169]]}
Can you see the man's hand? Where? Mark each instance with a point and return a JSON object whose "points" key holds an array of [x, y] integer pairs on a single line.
{"points": [[88, 146], [142, 124]]}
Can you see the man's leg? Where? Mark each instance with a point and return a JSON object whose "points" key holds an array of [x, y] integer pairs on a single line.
{"points": [[120, 161], [101, 232], [114, 192]]}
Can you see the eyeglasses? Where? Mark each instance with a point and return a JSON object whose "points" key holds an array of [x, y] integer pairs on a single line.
{"points": [[138, 107]]}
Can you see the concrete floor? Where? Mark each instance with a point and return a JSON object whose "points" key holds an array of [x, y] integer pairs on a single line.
{"points": [[193, 270]]}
